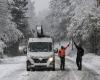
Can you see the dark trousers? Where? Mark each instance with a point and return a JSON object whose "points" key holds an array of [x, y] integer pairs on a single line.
{"points": [[62, 65], [79, 62]]}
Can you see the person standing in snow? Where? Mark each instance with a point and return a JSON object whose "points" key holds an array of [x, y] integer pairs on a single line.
{"points": [[61, 54], [80, 53]]}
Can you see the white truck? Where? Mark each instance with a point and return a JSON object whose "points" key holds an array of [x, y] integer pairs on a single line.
{"points": [[40, 54]]}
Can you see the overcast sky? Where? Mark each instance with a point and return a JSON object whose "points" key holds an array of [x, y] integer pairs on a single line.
{"points": [[41, 5]]}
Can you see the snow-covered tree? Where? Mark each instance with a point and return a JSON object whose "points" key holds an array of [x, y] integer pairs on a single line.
{"points": [[32, 20], [77, 17], [18, 10], [59, 18]]}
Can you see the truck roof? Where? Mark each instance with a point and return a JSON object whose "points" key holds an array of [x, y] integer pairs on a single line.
{"points": [[40, 40]]}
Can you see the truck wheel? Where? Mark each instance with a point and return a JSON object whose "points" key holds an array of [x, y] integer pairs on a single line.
{"points": [[53, 67], [33, 69], [27, 64], [28, 69]]}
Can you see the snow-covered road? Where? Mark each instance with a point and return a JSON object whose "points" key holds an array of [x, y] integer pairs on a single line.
{"points": [[14, 69], [70, 73]]}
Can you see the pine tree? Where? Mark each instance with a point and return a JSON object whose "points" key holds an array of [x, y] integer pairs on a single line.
{"points": [[18, 9]]}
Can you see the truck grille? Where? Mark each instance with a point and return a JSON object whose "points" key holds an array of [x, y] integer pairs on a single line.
{"points": [[40, 61]]}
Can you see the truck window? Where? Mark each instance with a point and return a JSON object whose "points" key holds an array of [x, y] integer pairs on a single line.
{"points": [[40, 47]]}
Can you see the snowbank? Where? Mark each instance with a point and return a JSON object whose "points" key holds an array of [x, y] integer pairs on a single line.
{"points": [[93, 61], [13, 60], [90, 61], [13, 68], [7, 70]]}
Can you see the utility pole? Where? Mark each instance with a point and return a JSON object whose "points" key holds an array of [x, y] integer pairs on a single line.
{"points": [[72, 41], [94, 33]]}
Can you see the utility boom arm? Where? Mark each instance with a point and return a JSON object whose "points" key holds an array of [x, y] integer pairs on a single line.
{"points": [[40, 32]]}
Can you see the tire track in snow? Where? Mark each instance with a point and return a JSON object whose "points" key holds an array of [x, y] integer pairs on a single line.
{"points": [[70, 73], [52, 75], [17, 74], [85, 74]]}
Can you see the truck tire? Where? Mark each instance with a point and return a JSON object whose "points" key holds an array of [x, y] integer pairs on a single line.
{"points": [[53, 69], [27, 64], [28, 69], [33, 69]]}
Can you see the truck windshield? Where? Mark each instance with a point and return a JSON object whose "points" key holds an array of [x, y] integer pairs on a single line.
{"points": [[40, 47]]}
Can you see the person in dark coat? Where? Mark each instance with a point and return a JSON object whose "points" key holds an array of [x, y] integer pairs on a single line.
{"points": [[80, 53]]}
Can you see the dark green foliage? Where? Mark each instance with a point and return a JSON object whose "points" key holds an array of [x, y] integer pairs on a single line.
{"points": [[18, 9]]}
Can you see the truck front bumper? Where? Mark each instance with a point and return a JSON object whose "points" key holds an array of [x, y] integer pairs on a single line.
{"points": [[36, 65]]}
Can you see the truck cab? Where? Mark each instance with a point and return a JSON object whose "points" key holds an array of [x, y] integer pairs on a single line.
{"points": [[40, 54]]}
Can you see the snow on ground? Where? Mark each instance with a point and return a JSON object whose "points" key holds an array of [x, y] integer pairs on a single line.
{"points": [[10, 60], [90, 61], [70, 73], [13, 68], [7, 70]]}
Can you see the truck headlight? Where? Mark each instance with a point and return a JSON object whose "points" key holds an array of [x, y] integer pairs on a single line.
{"points": [[20, 48], [51, 59]]}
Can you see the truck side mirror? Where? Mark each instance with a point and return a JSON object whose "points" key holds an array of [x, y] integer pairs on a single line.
{"points": [[25, 50], [56, 50]]}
